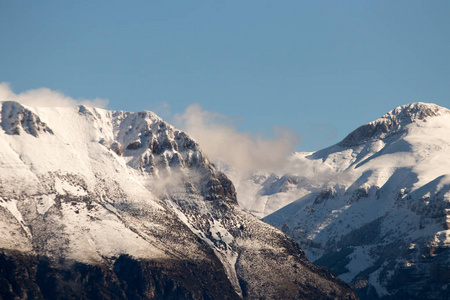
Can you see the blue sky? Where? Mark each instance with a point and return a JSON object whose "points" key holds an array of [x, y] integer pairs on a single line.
{"points": [[321, 68]]}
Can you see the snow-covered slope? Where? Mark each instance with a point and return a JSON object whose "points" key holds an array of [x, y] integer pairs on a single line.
{"points": [[375, 208], [109, 204]]}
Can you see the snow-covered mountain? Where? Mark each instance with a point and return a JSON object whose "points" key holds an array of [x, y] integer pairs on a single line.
{"points": [[115, 205], [375, 208]]}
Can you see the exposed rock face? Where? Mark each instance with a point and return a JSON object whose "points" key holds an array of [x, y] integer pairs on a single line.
{"points": [[373, 208], [117, 205], [393, 122], [16, 119]]}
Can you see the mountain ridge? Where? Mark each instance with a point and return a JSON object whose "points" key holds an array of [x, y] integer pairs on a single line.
{"points": [[374, 208], [116, 205], [392, 122]]}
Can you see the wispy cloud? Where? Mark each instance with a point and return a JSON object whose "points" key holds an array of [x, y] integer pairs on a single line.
{"points": [[215, 132], [221, 141], [45, 97]]}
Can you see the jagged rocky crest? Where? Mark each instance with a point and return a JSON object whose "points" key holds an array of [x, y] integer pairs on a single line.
{"points": [[392, 123], [154, 145], [118, 205], [374, 208], [16, 119]]}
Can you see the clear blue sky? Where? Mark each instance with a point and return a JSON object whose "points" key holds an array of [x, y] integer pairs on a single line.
{"points": [[320, 67]]}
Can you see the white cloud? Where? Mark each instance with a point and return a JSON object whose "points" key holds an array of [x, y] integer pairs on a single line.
{"points": [[221, 141], [215, 133], [45, 97]]}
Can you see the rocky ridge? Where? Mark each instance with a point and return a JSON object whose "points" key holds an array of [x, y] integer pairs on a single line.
{"points": [[375, 208], [392, 123], [117, 205]]}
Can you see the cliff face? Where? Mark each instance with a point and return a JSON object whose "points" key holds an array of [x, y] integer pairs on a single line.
{"points": [[117, 205]]}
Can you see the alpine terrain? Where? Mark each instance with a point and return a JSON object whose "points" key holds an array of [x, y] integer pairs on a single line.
{"points": [[375, 208], [98, 204]]}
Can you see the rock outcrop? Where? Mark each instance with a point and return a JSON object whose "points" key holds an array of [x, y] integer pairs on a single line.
{"points": [[116, 205], [375, 207]]}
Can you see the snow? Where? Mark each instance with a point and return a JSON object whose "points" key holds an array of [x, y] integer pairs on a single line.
{"points": [[64, 187], [227, 256], [98, 234], [387, 183], [94, 184], [44, 203], [373, 281], [421, 150], [219, 233], [11, 205], [360, 260], [70, 160], [442, 239]]}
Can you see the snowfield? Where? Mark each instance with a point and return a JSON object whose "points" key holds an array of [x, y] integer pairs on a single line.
{"points": [[374, 208], [111, 204]]}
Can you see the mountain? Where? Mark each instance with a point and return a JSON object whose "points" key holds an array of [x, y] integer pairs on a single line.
{"points": [[375, 208], [98, 204]]}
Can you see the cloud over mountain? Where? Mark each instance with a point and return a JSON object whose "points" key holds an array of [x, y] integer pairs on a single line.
{"points": [[221, 140], [45, 97]]}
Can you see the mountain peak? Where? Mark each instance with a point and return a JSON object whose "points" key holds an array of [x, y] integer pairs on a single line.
{"points": [[416, 111], [392, 122], [16, 118], [114, 193]]}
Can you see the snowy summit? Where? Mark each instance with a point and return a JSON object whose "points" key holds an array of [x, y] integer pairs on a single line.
{"points": [[375, 208], [109, 204]]}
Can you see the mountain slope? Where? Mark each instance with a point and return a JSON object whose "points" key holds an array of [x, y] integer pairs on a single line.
{"points": [[375, 207], [118, 205]]}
